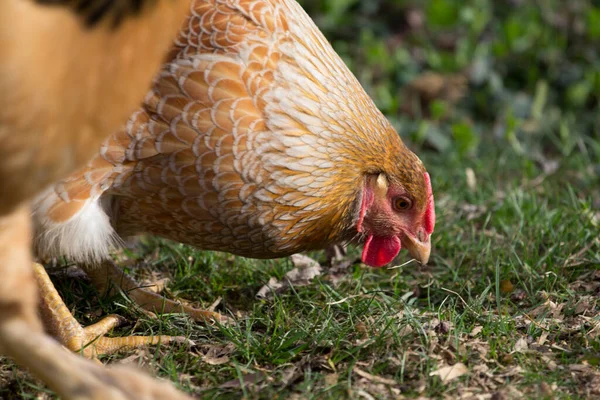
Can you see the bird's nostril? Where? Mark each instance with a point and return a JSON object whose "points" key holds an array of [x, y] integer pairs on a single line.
{"points": [[421, 235]]}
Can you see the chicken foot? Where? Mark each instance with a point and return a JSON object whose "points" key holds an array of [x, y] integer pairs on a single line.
{"points": [[75, 378], [107, 277], [90, 341], [22, 337]]}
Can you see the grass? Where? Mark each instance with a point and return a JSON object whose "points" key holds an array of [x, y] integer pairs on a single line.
{"points": [[512, 145]]}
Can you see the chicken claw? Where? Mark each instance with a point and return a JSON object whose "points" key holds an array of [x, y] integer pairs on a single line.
{"points": [[90, 341], [77, 378], [23, 339]]}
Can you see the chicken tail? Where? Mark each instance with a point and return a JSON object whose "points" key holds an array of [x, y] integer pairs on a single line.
{"points": [[81, 230]]}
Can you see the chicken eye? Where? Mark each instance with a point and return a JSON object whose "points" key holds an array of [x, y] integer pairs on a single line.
{"points": [[402, 203]]}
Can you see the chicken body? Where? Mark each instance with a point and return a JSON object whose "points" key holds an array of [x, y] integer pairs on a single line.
{"points": [[69, 75], [256, 140], [67, 84]]}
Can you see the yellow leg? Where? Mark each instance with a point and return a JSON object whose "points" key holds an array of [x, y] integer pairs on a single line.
{"points": [[90, 341], [107, 275], [23, 339]]}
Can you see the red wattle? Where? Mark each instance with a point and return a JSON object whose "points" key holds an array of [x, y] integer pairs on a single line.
{"points": [[380, 250]]}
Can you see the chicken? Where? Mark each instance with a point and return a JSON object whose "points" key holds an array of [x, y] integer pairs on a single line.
{"points": [[255, 140], [70, 73]]}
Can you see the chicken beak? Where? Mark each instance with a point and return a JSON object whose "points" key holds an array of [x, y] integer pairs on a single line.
{"points": [[419, 250]]}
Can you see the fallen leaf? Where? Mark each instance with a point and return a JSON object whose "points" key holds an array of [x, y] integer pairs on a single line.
{"points": [[472, 211], [520, 346], [155, 286], [216, 354], [542, 339], [471, 179], [431, 86], [306, 270], [214, 305], [364, 394], [546, 390], [373, 378], [250, 379], [290, 375], [550, 363], [304, 262], [476, 330], [518, 295], [331, 379], [506, 286], [272, 286], [450, 372]]}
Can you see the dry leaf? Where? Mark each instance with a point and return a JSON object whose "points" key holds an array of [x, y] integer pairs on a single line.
{"points": [[214, 305], [543, 337], [364, 394], [373, 378], [216, 354], [251, 379], [155, 286], [450, 372], [215, 361], [550, 363], [430, 86], [331, 379], [476, 330], [306, 270], [506, 286], [520, 346], [471, 179], [272, 286]]}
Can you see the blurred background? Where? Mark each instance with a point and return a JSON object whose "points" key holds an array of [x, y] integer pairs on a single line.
{"points": [[478, 78]]}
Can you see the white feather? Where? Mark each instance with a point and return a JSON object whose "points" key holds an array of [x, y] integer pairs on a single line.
{"points": [[87, 237]]}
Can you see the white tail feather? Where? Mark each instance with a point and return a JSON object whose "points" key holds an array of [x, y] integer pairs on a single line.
{"points": [[87, 237]]}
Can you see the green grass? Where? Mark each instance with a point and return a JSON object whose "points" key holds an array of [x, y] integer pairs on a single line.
{"points": [[516, 259]]}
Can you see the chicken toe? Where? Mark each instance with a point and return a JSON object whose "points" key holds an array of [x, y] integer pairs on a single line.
{"points": [[23, 339], [90, 341], [77, 378]]}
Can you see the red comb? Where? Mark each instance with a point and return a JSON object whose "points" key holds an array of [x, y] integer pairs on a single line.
{"points": [[429, 217]]}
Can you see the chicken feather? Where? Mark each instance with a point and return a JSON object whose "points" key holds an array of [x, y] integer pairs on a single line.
{"points": [[255, 139]]}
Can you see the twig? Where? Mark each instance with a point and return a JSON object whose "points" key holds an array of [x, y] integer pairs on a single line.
{"points": [[400, 266], [569, 262], [533, 321], [461, 299], [343, 300]]}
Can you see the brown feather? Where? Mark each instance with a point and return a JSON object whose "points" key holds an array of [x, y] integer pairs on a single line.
{"points": [[255, 139]]}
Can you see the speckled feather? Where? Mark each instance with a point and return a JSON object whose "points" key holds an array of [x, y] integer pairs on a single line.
{"points": [[255, 139]]}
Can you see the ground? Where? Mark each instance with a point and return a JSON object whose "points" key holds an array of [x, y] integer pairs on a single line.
{"points": [[501, 101]]}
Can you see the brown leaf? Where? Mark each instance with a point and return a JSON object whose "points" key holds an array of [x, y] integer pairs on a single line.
{"points": [[476, 330], [506, 286], [373, 378], [306, 270], [217, 354], [471, 179], [250, 379], [331, 379], [430, 86], [518, 295], [450, 372], [520, 346]]}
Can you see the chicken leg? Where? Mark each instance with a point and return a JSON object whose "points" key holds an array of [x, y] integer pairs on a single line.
{"points": [[107, 277], [22, 337], [90, 341]]}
